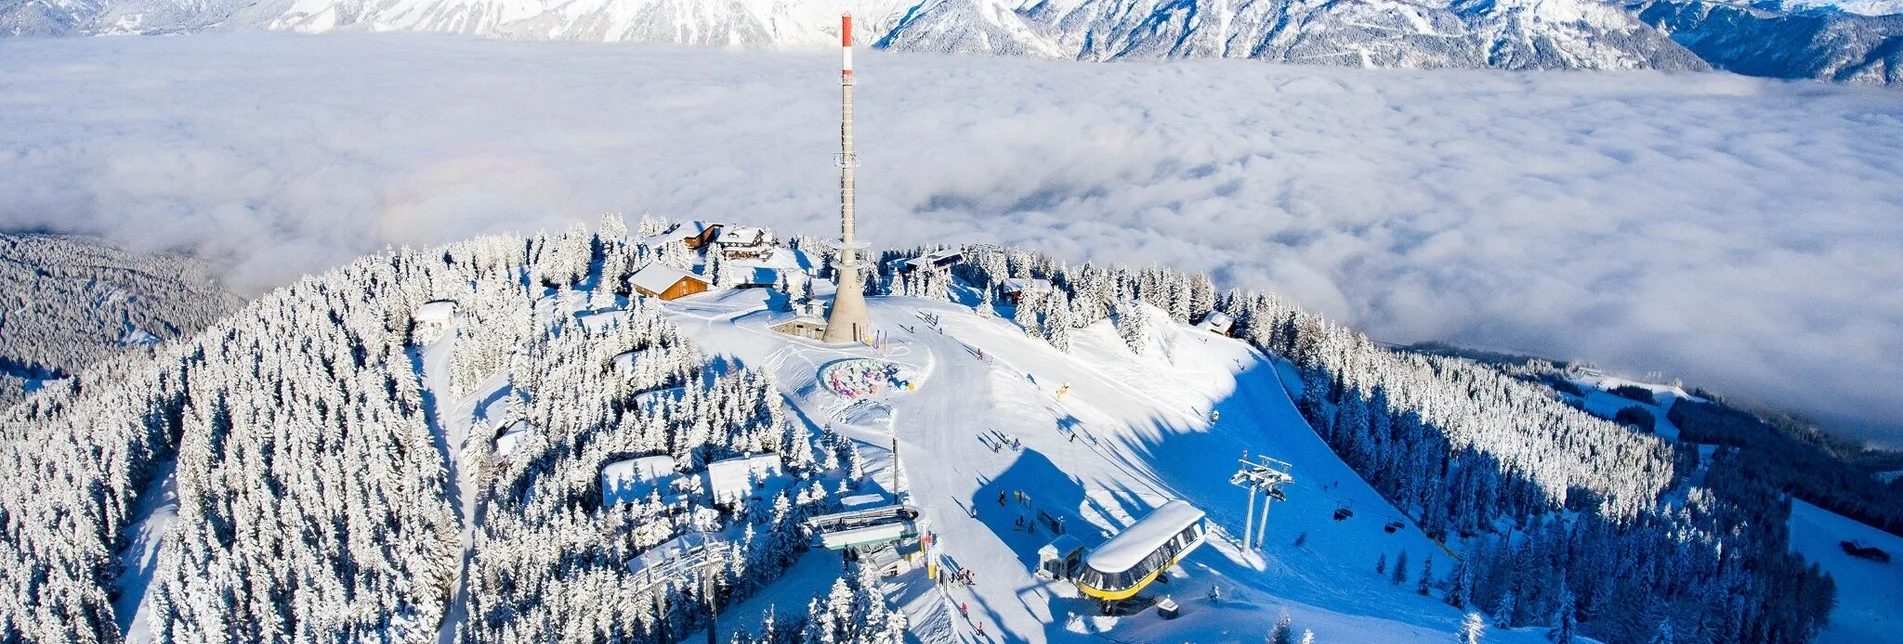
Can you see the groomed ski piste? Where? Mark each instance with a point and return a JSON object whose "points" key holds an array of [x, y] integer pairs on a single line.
{"points": [[1144, 435]]}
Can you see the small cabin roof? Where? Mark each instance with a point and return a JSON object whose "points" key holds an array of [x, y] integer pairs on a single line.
{"points": [[657, 277], [735, 476], [1020, 284], [1061, 547], [1217, 321], [436, 311], [633, 470]]}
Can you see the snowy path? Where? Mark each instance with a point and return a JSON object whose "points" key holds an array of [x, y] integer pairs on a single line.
{"points": [[1143, 436], [453, 426], [157, 505]]}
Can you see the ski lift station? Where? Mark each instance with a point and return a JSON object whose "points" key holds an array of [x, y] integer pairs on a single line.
{"points": [[865, 528], [1134, 558]]}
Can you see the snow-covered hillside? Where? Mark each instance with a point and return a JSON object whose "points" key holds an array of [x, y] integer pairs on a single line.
{"points": [[1868, 592], [1143, 436], [529, 439], [68, 301]]}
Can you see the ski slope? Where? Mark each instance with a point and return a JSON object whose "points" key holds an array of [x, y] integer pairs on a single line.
{"points": [[1868, 593], [1143, 436]]}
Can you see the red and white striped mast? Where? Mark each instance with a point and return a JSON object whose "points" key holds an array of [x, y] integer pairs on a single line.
{"points": [[848, 321]]}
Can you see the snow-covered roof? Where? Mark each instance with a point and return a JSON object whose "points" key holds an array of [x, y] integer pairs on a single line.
{"points": [[657, 277], [646, 468], [1217, 321], [1129, 547], [862, 501], [1019, 284], [681, 231], [744, 236], [733, 478], [512, 437], [631, 479], [1063, 545], [436, 311]]}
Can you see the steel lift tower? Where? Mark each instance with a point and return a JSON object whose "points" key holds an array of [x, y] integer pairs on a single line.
{"points": [[1265, 478], [848, 321]]}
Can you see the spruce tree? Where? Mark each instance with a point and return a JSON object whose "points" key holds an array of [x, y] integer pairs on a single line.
{"points": [[1472, 629], [1565, 622], [1282, 632]]}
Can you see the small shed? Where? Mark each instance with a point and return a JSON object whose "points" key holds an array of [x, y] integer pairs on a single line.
{"points": [[512, 438], [1061, 558], [431, 320], [1014, 289], [1217, 322], [665, 282], [631, 480], [733, 480], [811, 327]]}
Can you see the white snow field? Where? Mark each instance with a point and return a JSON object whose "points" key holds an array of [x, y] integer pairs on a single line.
{"points": [[1143, 437], [1868, 593]]}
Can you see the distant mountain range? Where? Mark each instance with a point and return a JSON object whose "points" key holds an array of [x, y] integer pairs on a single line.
{"points": [[1858, 42]]}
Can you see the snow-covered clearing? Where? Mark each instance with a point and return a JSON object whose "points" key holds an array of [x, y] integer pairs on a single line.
{"points": [[1868, 593], [1601, 402], [1129, 433]]}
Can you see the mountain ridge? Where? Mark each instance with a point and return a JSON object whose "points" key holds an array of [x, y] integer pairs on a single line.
{"points": [[1669, 35]]}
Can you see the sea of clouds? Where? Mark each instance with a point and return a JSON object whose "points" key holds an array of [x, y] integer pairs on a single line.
{"points": [[1743, 234]]}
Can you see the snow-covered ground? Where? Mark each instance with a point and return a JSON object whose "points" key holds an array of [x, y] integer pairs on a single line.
{"points": [[157, 505], [1143, 435], [1601, 402], [1869, 593]]}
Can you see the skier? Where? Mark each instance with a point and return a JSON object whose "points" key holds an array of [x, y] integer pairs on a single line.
{"points": [[1019, 525], [1213, 415], [1016, 444], [1215, 594], [1000, 497]]}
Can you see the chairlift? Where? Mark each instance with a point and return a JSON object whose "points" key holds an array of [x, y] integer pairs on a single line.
{"points": [[1393, 526], [1343, 512], [1277, 494]]}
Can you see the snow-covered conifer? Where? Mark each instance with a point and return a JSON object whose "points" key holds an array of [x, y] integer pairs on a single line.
{"points": [[1473, 628]]}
